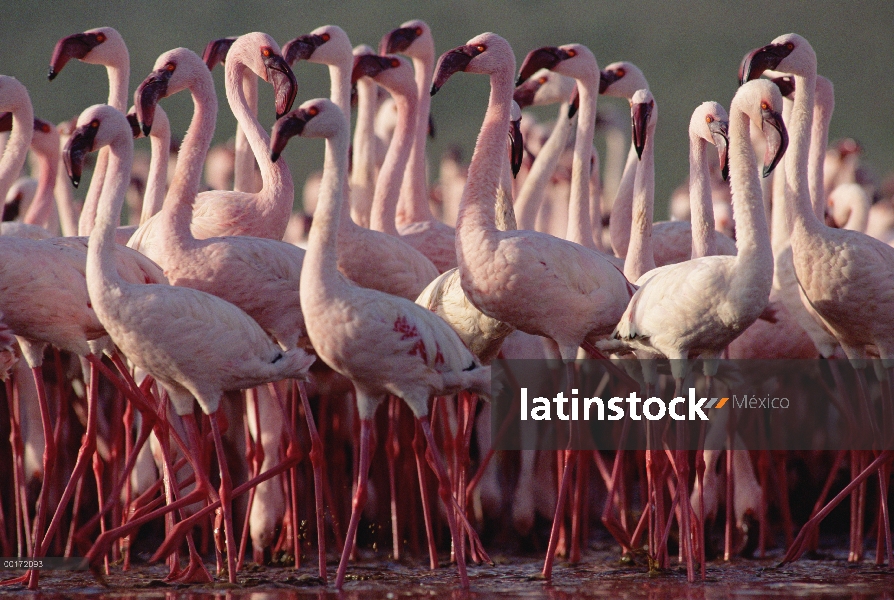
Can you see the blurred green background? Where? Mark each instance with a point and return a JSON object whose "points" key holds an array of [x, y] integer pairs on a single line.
{"points": [[689, 50]]}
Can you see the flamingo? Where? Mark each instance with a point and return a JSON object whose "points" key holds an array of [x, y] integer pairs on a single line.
{"points": [[415, 221], [845, 275], [363, 161], [849, 207], [263, 214], [366, 257], [382, 343], [179, 356]]}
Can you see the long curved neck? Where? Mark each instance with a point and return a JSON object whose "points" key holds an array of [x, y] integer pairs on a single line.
{"points": [[532, 192], [244, 163], [797, 155], [340, 85], [819, 140], [119, 80], [363, 165], [780, 231], [640, 255], [388, 184], [88, 211], [622, 208], [41, 210], [700, 202], [580, 230], [65, 204], [596, 201], [157, 179], [321, 260], [413, 205], [752, 235], [16, 147], [476, 209], [102, 275], [277, 180], [178, 203]]}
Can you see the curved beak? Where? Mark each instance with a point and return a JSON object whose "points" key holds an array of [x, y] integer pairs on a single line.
{"points": [[524, 94], [73, 46], [302, 47], [369, 65], [145, 98], [574, 102], [546, 57], [398, 40], [134, 124], [760, 59], [285, 86], [786, 85], [79, 145], [639, 114], [516, 147], [286, 128], [451, 62], [216, 51], [12, 208], [720, 134], [5, 122], [606, 78], [776, 136]]}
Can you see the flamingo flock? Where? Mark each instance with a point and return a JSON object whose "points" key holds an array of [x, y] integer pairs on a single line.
{"points": [[182, 339]]}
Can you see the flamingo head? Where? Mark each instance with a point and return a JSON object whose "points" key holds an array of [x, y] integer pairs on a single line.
{"points": [[392, 72], [621, 80], [789, 53], [318, 118], [711, 123], [412, 38], [99, 125], [101, 46], [642, 107], [216, 51], [572, 60], [761, 101], [328, 45], [261, 54], [487, 53], [544, 87]]}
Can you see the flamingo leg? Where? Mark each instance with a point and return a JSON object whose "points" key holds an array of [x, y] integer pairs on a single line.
{"points": [[358, 503], [419, 452], [252, 452], [317, 461], [226, 499], [392, 447]]}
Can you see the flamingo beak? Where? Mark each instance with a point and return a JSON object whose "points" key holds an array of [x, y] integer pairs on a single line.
{"points": [[517, 147], [760, 59], [216, 51], [786, 85], [73, 46], [134, 124], [285, 86], [574, 102], [606, 78], [285, 129], [146, 97], [776, 136], [524, 94], [546, 57], [79, 145], [398, 40], [12, 208], [640, 113], [370, 65], [302, 47], [451, 62], [720, 133], [5, 122]]}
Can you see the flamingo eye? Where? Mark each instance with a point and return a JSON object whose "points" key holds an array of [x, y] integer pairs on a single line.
{"points": [[266, 52], [94, 123], [325, 37], [765, 106], [170, 67], [620, 72], [709, 119], [313, 111], [418, 31], [480, 48], [542, 80], [395, 63], [571, 52], [100, 37], [790, 46]]}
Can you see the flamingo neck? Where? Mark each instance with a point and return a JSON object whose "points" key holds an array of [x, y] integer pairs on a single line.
{"points": [[580, 229], [797, 155], [65, 205], [340, 84], [780, 232], [276, 178], [640, 255], [819, 140], [476, 208], [413, 204], [363, 167], [102, 274], [321, 261], [532, 192], [157, 179], [622, 208], [41, 212], [244, 163], [16, 147], [119, 80], [388, 184], [178, 203], [700, 202], [754, 255]]}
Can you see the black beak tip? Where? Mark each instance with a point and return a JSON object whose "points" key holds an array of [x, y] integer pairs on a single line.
{"points": [[76, 180], [519, 81], [768, 170], [434, 90], [51, 75], [725, 173], [274, 156], [572, 110], [146, 129], [639, 151]]}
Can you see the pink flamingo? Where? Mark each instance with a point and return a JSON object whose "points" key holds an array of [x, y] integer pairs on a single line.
{"points": [[414, 219], [384, 344], [363, 148], [263, 214], [180, 356]]}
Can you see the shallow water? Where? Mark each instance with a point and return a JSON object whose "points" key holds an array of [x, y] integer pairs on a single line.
{"points": [[599, 575]]}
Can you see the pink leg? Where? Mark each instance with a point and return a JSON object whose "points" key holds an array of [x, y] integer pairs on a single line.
{"points": [[254, 453], [447, 499], [318, 462], [419, 451], [49, 461], [226, 500], [359, 501], [392, 447]]}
